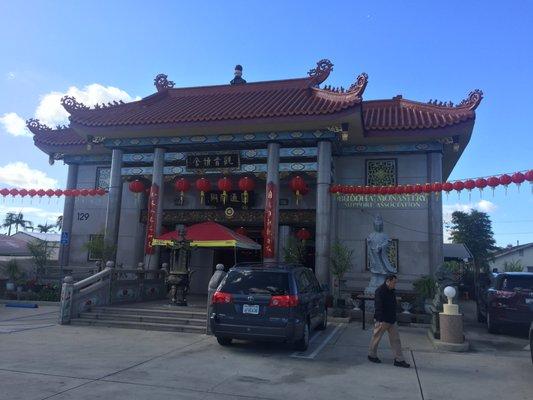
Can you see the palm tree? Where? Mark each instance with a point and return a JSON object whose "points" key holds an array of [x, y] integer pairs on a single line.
{"points": [[59, 222], [9, 221], [45, 228], [20, 221]]}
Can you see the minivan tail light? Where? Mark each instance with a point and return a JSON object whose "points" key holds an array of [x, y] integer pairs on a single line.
{"points": [[283, 301], [221, 298]]}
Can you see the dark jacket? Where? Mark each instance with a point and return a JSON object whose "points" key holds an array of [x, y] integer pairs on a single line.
{"points": [[385, 304]]}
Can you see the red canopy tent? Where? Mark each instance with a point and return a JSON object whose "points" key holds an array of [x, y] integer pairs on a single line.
{"points": [[209, 234]]}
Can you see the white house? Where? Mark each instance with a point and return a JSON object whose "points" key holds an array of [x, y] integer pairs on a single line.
{"points": [[522, 253]]}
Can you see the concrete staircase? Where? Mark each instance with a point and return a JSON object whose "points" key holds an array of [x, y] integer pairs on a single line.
{"points": [[184, 319]]}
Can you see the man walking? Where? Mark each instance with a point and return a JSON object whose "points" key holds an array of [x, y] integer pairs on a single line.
{"points": [[385, 321]]}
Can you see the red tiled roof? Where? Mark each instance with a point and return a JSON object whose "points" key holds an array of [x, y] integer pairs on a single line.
{"points": [[295, 97], [60, 137], [401, 114]]}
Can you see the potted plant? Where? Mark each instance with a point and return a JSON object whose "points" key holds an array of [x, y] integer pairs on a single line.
{"points": [[425, 290], [12, 270], [341, 262]]}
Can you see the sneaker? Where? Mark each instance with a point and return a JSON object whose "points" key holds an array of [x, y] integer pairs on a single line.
{"points": [[402, 364], [374, 360]]}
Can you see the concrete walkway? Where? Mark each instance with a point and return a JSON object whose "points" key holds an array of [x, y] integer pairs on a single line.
{"points": [[41, 360]]}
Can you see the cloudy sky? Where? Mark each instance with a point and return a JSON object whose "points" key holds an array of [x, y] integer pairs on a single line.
{"points": [[102, 51]]}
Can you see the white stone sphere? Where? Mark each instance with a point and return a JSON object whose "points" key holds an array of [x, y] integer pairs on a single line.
{"points": [[449, 291]]}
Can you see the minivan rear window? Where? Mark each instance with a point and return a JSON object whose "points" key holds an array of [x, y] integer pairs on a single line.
{"points": [[256, 282], [509, 282]]}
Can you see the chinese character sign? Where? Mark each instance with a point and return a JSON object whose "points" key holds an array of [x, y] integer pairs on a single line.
{"points": [[152, 217], [213, 161], [269, 233]]}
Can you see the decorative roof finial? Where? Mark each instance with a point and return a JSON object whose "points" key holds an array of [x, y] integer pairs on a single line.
{"points": [[70, 104], [35, 126], [359, 86], [321, 72], [238, 76], [162, 83], [473, 100]]}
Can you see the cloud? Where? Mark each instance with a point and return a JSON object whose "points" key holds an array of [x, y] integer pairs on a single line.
{"points": [[51, 112], [14, 124], [10, 76], [20, 175], [448, 209]]}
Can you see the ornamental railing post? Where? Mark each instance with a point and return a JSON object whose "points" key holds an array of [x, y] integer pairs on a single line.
{"points": [[65, 309], [140, 281]]}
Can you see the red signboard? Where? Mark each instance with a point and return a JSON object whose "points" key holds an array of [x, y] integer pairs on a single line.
{"points": [[269, 249], [152, 218]]}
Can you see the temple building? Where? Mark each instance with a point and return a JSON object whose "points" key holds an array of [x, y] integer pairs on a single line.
{"points": [[185, 151]]}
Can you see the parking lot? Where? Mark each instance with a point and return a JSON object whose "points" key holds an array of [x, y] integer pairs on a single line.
{"points": [[42, 360]]}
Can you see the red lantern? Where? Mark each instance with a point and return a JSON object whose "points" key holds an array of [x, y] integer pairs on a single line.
{"points": [[4, 192], [428, 188], [469, 185], [505, 180], [67, 192], [303, 234], [529, 177], [518, 178], [100, 191], [481, 184], [58, 193], [137, 186], [297, 185], [409, 189], [75, 192], [14, 192], [32, 192], [41, 192], [93, 192], [493, 182], [84, 192], [242, 231], [419, 188], [458, 186], [437, 188], [246, 184], [203, 185], [182, 185], [225, 185], [49, 192]]}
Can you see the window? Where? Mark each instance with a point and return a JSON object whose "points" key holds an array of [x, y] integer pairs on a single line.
{"points": [[256, 282], [392, 254], [521, 253], [95, 246], [103, 176], [381, 172]]}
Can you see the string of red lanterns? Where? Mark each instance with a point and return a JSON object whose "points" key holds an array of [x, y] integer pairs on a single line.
{"points": [[469, 184], [51, 192]]}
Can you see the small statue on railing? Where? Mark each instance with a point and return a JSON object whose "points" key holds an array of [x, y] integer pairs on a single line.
{"points": [[179, 277]]}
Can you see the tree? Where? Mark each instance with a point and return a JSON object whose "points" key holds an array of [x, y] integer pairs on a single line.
{"points": [[59, 222], [341, 262], [17, 220], [45, 228], [474, 229], [513, 266], [294, 251], [99, 250], [41, 253]]}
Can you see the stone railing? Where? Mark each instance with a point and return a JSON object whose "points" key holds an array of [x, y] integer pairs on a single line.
{"points": [[110, 286]]}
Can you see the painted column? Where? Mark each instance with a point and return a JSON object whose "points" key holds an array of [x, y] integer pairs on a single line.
{"points": [[114, 200], [323, 213], [273, 181], [435, 236], [152, 261], [68, 216]]}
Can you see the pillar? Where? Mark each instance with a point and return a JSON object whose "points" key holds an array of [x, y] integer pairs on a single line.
{"points": [[273, 177], [323, 213], [114, 200], [435, 236], [152, 261], [68, 216], [284, 234]]}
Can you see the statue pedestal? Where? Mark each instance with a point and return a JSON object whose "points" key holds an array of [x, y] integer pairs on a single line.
{"points": [[376, 280], [451, 328]]}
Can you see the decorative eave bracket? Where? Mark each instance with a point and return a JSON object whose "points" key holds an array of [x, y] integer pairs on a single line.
{"points": [[72, 106], [321, 72], [162, 83]]}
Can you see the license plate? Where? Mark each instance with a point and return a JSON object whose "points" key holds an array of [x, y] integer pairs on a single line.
{"points": [[248, 309], [529, 301]]}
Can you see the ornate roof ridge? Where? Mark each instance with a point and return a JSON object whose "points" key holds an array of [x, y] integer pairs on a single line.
{"points": [[321, 72], [36, 127], [354, 92]]}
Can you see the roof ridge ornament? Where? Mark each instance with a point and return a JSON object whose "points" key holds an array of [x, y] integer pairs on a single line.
{"points": [[35, 126], [473, 100], [359, 86], [162, 83], [321, 72], [70, 104]]}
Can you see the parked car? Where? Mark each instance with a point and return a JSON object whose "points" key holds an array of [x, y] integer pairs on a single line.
{"points": [[531, 341], [507, 299], [268, 301]]}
